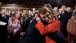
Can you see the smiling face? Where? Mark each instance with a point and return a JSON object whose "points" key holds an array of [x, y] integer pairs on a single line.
{"points": [[46, 15], [13, 17]]}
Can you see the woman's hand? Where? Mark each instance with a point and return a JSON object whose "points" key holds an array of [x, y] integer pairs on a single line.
{"points": [[10, 30], [22, 33]]}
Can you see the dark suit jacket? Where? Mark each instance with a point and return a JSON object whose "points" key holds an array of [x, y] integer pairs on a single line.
{"points": [[6, 18], [63, 20], [32, 35]]}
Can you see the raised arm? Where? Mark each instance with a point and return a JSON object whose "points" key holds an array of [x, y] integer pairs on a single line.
{"points": [[50, 28]]}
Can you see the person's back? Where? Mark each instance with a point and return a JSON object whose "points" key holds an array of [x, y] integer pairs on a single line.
{"points": [[32, 35]]}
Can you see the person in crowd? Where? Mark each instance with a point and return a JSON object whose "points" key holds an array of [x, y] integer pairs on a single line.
{"points": [[17, 16], [69, 12], [3, 30], [48, 29], [30, 12], [43, 29], [56, 12], [64, 17], [74, 12], [5, 16], [14, 29], [23, 26], [60, 12], [33, 12], [34, 16], [27, 19], [71, 28]]}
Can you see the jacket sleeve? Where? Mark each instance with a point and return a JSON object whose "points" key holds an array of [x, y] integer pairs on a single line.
{"points": [[50, 28]]}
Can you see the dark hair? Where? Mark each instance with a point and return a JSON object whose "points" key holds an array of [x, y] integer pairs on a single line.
{"points": [[64, 5], [12, 15], [35, 13], [22, 18]]}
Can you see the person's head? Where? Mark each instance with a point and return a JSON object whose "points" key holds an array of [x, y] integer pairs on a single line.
{"points": [[55, 9], [13, 17], [26, 15], [19, 12], [64, 7], [34, 10], [61, 10], [68, 9], [22, 19], [30, 11], [45, 14], [35, 15], [3, 12], [17, 15]]}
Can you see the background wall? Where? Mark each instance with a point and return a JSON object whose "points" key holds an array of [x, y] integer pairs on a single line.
{"points": [[15, 7]]}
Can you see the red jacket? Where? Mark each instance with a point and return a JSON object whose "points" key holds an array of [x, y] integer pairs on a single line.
{"points": [[50, 28]]}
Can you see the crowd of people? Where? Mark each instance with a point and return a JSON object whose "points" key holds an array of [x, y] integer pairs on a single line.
{"points": [[46, 25]]}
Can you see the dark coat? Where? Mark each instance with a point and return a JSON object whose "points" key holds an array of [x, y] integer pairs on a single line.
{"points": [[32, 35], [3, 34], [24, 26], [63, 20]]}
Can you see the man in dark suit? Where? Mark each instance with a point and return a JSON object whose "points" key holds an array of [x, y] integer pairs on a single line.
{"points": [[5, 16], [64, 17]]}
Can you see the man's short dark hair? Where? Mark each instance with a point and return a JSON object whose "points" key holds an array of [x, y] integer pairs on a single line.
{"points": [[64, 5]]}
